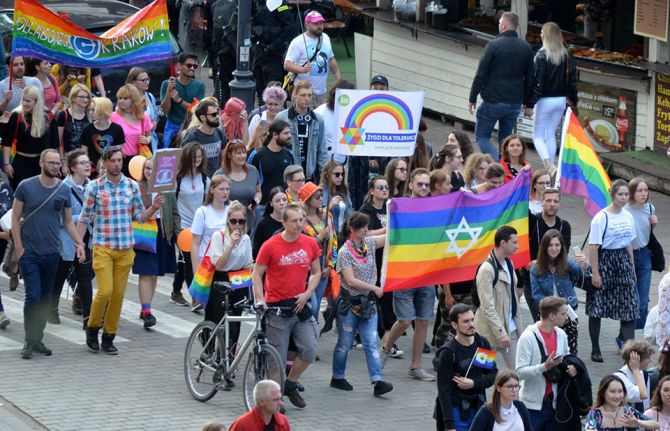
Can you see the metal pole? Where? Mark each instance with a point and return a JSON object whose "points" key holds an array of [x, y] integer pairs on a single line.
{"points": [[243, 86]]}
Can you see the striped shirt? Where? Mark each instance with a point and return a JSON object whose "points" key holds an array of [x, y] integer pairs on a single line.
{"points": [[114, 208]]}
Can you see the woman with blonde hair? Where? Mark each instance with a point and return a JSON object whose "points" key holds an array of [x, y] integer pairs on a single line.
{"points": [[336, 193], [72, 120], [504, 411], [29, 132], [135, 123], [475, 169], [101, 133], [261, 132], [554, 83]]}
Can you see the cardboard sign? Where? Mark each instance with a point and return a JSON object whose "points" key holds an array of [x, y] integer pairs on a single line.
{"points": [[164, 172]]}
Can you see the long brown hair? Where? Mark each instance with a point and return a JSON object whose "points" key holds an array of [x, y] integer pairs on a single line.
{"points": [[505, 149], [420, 158], [390, 177], [656, 400], [544, 260], [602, 388], [217, 180], [258, 136], [188, 155], [326, 183], [472, 164], [503, 377], [371, 186]]}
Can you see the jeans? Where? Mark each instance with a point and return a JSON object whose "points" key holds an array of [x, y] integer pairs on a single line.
{"points": [[317, 296], [170, 129], [488, 114], [346, 328], [38, 272], [111, 272], [643, 273], [548, 114], [462, 424], [542, 420]]}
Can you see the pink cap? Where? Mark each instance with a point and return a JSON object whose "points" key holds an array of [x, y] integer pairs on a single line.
{"points": [[314, 17]]}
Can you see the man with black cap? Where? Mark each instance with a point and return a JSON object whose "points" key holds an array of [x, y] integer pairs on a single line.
{"points": [[379, 83]]}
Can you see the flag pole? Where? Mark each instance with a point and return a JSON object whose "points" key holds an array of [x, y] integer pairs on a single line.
{"points": [[11, 72], [470, 366], [566, 122]]}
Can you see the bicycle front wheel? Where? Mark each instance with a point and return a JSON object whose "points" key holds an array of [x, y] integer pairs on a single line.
{"points": [[264, 364], [202, 362]]}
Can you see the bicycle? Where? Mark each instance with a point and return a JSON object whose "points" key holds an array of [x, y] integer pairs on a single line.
{"points": [[208, 364]]}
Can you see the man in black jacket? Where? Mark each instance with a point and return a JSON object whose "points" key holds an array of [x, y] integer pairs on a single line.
{"points": [[461, 387], [504, 80]]}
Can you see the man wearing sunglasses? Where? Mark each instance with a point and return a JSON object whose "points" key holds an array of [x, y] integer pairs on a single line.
{"points": [[178, 93]]}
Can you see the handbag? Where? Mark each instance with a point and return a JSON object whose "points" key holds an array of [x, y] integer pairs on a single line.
{"points": [[289, 79], [202, 279], [145, 235], [656, 250]]}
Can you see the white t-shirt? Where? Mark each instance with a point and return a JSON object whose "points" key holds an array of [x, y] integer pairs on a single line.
{"points": [[191, 196], [239, 258], [206, 221], [296, 53], [620, 230], [330, 126]]}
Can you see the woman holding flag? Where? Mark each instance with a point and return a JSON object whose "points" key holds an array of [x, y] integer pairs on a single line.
{"points": [[135, 123]]}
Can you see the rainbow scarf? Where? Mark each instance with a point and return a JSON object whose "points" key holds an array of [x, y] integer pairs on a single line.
{"points": [[40, 33], [579, 169], [443, 239]]}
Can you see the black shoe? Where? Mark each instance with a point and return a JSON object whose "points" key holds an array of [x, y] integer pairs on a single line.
{"points": [[426, 348], [382, 387], [76, 305], [301, 388], [596, 357], [291, 391], [107, 345], [42, 349], [92, 340], [53, 317], [341, 384], [149, 321], [27, 351]]}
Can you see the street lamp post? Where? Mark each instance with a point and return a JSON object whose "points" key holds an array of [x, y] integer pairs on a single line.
{"points": [[243, 86]]}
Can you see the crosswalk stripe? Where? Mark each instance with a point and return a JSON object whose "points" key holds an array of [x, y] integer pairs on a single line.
{"points": [[9, 344], [69, 330]]}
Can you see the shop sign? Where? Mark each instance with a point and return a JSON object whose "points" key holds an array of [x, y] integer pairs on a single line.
{"points": [[651, 19], [662, 111]]}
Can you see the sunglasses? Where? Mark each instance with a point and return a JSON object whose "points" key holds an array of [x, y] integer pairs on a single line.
{"points": [[191, 65], [401, 169], [338, 174], [213, 114], [237, 221]]}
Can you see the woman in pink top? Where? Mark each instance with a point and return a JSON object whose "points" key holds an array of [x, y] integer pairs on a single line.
{"points": [[134, 121], [41, 70]]}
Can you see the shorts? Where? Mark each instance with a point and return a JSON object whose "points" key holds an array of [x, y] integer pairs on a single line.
{"points": [[414, 304], [280, 329]]}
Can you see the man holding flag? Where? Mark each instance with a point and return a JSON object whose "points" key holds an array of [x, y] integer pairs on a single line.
{"points": [[465, 368]]}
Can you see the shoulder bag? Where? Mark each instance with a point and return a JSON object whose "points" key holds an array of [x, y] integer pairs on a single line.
{"points": [[655, 249], [289, 79]]}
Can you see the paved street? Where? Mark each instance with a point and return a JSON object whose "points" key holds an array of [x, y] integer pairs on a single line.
{"points": [[143, 388]]}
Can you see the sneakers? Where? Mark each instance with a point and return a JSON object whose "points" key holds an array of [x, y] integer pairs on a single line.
{"points": [[421, 374], [341, 384], [149, 320], [395, 352], [619, 343], [426, 348], [107, 344], [178, 298], [382, 387], [196, 306], [27, 351], [42, 349], [92, 340], [13, 283], [291, 391], [4, 320]]}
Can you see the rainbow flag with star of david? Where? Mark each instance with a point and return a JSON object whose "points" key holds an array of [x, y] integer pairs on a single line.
{"points": [[443, 239]]}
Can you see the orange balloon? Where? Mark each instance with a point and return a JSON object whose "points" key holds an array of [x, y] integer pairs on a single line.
{"points": [[136, 166], [184, 240]]}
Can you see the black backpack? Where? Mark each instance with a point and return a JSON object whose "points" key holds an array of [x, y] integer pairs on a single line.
{"points": [[510, 266], [224, 17]]}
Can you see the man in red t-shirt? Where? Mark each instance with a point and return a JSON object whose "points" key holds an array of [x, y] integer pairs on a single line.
{"points": [[266, 412], [286, 260]]}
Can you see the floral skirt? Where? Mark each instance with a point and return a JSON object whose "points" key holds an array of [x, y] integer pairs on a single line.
{"points": [[617, 298]]}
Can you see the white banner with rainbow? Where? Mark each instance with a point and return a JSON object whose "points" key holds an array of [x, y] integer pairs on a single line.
{"points": [[377, 123]]}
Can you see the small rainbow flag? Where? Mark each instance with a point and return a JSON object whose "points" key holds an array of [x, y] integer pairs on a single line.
{"points": [[40, 33], [240, 279], [484, 358], [579, 169], [443, 239]]}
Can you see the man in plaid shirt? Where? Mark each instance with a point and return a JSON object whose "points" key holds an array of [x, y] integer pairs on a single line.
{"points": [[113, 201]]}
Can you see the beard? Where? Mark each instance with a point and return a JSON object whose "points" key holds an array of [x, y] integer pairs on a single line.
{"points": [[214, 123], [49, 174], [285, 143]]}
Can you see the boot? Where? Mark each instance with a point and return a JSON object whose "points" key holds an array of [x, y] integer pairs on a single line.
{"points": [[76, 305], [107, 344], [13, 282], [92, 339]]}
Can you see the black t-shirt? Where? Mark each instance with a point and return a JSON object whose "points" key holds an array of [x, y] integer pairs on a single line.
{"points": [[97, 140], [270, 426], [457, 181], [537, 228], [377, 221], [265, 230], [72, 129], [270, 166]]}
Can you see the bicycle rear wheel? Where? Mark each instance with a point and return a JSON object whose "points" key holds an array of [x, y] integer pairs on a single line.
{"points": [[265, 364], [202, 365]]}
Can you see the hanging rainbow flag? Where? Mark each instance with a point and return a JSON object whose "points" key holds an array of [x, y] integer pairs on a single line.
{"points": [[41, 33], [579, 169], [484, 358], [443, 239]]}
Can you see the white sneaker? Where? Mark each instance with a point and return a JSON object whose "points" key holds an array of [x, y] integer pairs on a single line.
{"points": [[395, 352], [421, 374]]}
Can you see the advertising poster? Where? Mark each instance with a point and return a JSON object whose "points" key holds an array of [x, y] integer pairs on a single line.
{"points": [[662, 122], [377, 123], [164, 172]]}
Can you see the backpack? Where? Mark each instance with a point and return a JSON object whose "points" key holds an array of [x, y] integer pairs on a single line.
{"points": [[510, 267], [224, 17]]}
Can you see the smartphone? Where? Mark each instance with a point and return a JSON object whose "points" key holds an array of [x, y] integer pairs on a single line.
{"points": [[577, 250]]}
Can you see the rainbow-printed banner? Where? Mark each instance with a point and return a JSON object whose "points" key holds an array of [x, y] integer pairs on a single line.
{"points": [[240, 279], [443, 239], [579, 169], [377, 123], [40, 33]]}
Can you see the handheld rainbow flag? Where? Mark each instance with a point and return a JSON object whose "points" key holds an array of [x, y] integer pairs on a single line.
{"points": [[483, 358], [579, 169], [40, 33], [240, 279], [443, 239]]}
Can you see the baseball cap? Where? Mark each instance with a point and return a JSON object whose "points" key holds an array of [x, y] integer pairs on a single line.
{"points": [[379, 79], [314, 17]]}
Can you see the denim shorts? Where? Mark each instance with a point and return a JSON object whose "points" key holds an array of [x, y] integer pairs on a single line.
{"points": [[418, 303]]}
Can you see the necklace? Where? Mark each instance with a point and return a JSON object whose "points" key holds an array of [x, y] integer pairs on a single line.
{"points": [[611, 415]]}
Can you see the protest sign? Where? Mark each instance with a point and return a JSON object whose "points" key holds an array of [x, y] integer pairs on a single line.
{"points": [[164, 172]]}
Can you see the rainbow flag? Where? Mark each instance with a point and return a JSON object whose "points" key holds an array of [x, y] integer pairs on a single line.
{"points": [[579, 169], [41, 33], [443, 239], [240, 279], [484, 358]]}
